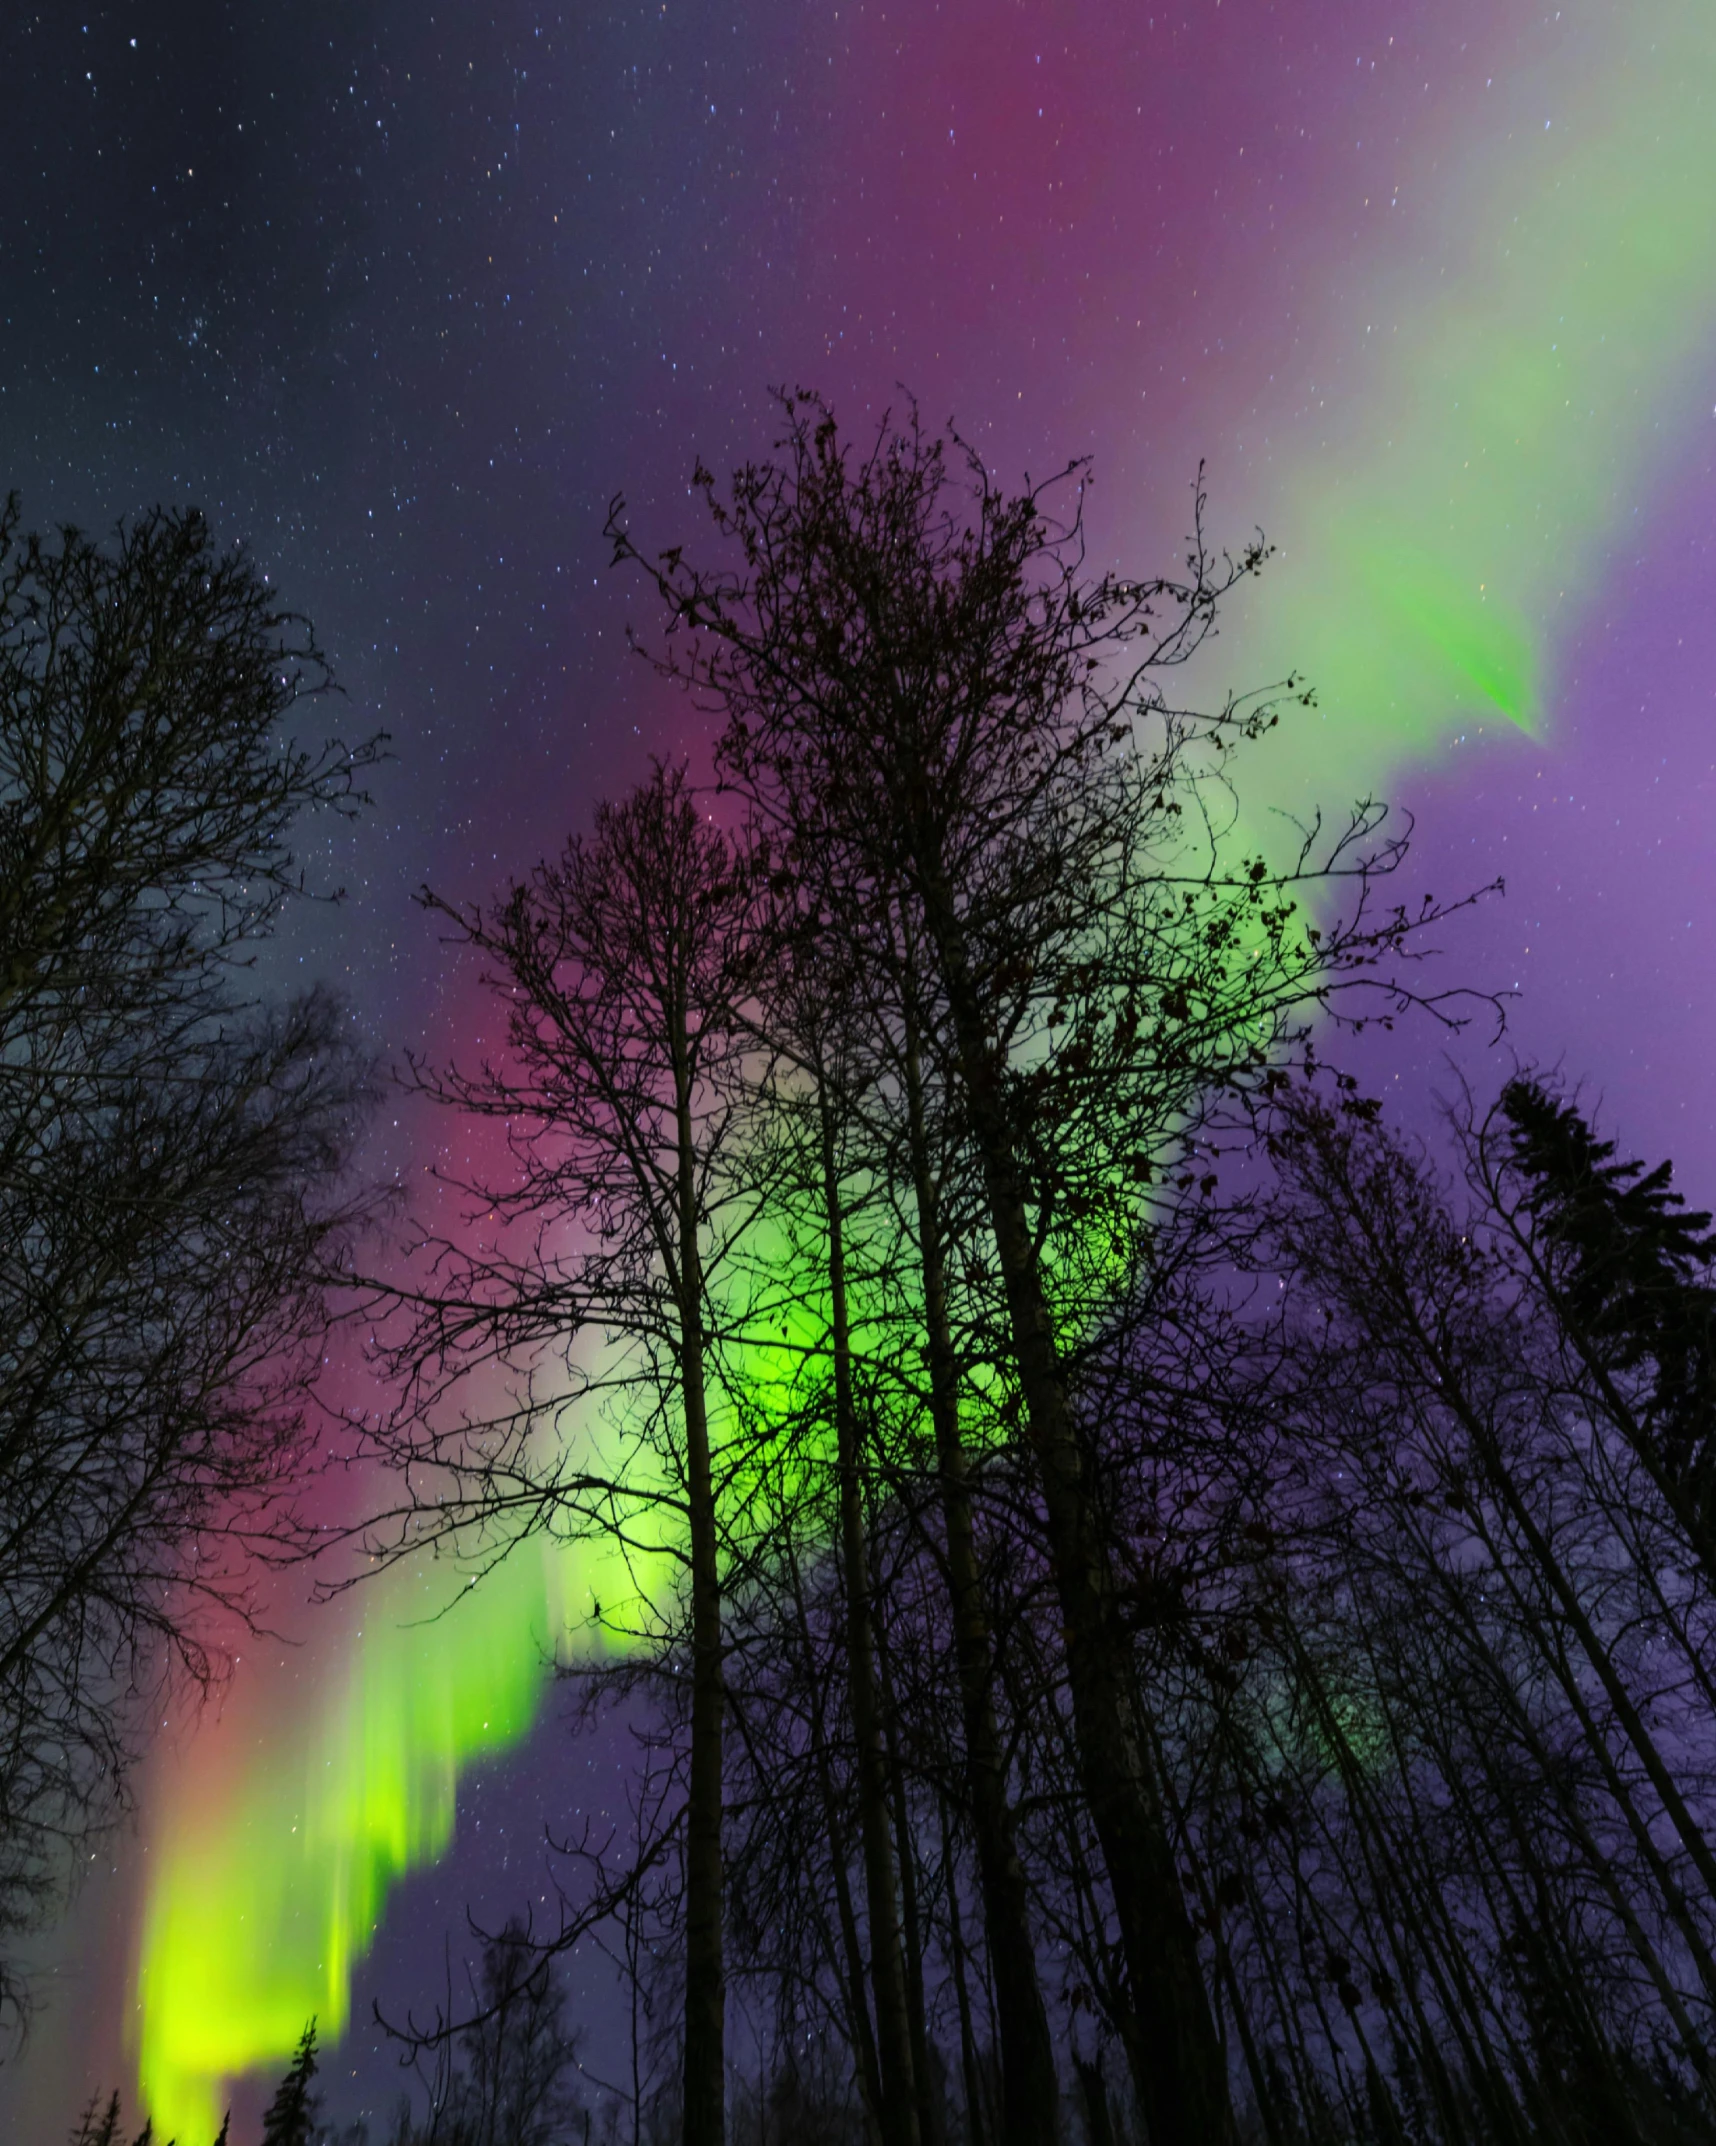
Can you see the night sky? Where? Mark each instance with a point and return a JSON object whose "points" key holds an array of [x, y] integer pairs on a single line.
{"points": [[401, 295]]}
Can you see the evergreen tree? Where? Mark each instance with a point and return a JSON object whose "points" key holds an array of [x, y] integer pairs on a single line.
{"points": [[1629, 1265], [292, 2112], [98, 2126]]}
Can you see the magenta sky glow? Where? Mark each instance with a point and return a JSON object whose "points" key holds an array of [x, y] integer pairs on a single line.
{"points": [[485, 266]]}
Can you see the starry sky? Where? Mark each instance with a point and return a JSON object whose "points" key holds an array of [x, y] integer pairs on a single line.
{"points": [[402, 294]]}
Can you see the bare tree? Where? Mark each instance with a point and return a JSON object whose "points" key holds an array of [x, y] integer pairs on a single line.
{"points": [[511, 2080], [932, 705], [172, 1141], [821, 1200], [622, 1097], [867, 1071], [1464, 1753]]}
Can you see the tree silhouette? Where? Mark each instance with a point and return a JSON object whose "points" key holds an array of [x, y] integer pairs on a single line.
{"points": [[931, 708], [171, 1138], [1629, 1266], [291, 2116], [622, 963], [98, 2126], [1200, 1607]]}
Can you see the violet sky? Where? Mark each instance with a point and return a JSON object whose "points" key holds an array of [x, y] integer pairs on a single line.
{"points": [[401, 294]]}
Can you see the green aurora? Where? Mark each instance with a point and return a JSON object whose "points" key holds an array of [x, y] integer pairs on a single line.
{"points": [[1509, 414]]}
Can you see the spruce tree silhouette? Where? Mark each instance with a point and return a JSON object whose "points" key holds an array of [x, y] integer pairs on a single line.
{"points": [[99, 2126], [1630, 1265], [292, 2112]]}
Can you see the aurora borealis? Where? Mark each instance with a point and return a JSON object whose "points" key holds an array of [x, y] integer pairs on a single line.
{"points": [[1431, 289]]}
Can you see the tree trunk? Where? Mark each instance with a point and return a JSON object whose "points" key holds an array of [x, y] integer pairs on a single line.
{"points": [[1566, 1597], [1179, 2073], [1098, 2118], [974, 2132], [857, 2005], [1030, 2092], [911, 1927], [705, 2117], [887, 1975]]}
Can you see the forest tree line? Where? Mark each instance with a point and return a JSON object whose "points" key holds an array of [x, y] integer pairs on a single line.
{"points": [[1167, 1610]]}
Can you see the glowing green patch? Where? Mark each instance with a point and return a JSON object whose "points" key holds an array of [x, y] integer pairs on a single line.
{"points": [[1510, 414]]}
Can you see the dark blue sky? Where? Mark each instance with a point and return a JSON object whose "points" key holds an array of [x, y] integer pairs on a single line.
{"points": [[402, 294]]}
